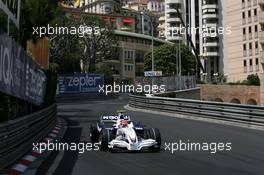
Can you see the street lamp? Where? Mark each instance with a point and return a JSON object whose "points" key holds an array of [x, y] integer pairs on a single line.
{"points": [[152, 40]]}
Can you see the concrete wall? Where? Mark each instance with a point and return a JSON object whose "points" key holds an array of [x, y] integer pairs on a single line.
{"points": [[231, 93]]}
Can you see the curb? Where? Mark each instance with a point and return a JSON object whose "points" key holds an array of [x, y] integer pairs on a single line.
{"points": [[27, 160]]}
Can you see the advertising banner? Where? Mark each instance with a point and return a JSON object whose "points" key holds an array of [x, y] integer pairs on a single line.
{"points": [[20, 76], [80, 83]]}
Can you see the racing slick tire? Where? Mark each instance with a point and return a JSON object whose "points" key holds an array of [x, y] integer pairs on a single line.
{"points": [[94, 134], [105, 137], [154, 134]]}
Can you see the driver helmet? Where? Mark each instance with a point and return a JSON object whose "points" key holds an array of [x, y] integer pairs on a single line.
{"points": [[123, 123]]}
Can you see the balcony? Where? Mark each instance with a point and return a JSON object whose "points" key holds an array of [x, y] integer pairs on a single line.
{"points": [[174, 2], [210, 25], [210, 6], [211, 54], [173, 19], [210, 44], [210, 15], [172, 10]]}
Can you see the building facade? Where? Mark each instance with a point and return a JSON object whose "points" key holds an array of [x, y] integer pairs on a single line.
{"points": [[129, 61], [211, 45]]}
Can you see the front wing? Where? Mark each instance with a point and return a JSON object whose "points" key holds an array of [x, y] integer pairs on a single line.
{"points": [[133, 146]]}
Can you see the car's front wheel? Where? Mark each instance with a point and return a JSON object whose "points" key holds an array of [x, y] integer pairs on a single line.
{"points": [[94, 134], [105, 138], [154, 133]]}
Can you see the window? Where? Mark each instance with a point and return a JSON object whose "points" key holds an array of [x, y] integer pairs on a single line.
{"points": [[245, 66], [245, 50], [257, 64], [256, 31], [250, 33], [251, 65], [244, 34], [129, 68], [243, 18], [250, 49], [256, 48], [249, 16], [255, 12], [243, 15]]}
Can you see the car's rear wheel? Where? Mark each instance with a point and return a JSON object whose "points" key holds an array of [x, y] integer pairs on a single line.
{"points": [[94, 134]]}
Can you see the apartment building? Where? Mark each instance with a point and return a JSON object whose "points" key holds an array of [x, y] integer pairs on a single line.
{"points": [[100, 6], [261, 47], [238, 53], [242, 49], [211, 47], [129, 60]]}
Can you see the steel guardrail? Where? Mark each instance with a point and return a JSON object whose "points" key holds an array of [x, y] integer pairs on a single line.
{"points": [[248, 114], [17, 136]]}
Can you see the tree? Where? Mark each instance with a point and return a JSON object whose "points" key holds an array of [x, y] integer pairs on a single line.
{"points": [[93, 43], [36, 13], [65, 49], [253, 80], [165, 59], [108, 73], [99, 43]]}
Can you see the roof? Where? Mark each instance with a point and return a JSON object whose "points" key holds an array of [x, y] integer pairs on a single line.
{"points": [[141, 36]]}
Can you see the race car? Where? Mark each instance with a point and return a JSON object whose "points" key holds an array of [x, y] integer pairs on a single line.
{"points": [[118, 132]]}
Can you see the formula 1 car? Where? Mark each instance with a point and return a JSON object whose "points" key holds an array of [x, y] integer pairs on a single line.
{"points": [[118, 132]]}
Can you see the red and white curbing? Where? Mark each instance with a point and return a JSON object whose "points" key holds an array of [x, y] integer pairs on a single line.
{"points": [[22, 164]]}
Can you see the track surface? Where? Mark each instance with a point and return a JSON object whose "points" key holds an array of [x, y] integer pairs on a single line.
{"points": [[245, 158]]}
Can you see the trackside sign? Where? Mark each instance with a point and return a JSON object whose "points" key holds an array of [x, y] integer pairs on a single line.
{"points": [[20, 76], [80, 82]]}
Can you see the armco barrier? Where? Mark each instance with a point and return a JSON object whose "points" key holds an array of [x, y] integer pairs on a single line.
{"points": [[247, 114], [17, 136]]}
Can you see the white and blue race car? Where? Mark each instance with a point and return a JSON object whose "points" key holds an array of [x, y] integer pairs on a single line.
{"points": [[118, 132]]}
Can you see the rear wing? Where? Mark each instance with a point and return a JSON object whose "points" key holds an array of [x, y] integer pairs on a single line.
{"points": [[109, 118]]}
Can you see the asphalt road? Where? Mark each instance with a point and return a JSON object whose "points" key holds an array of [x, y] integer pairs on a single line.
{"points": [[245, 158]]}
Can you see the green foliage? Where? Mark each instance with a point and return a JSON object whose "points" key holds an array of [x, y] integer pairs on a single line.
{"points": [[165, 59], [64, 49], [100, 46], [36, 13], [253, 80], [91, 48], [108, 73]]}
